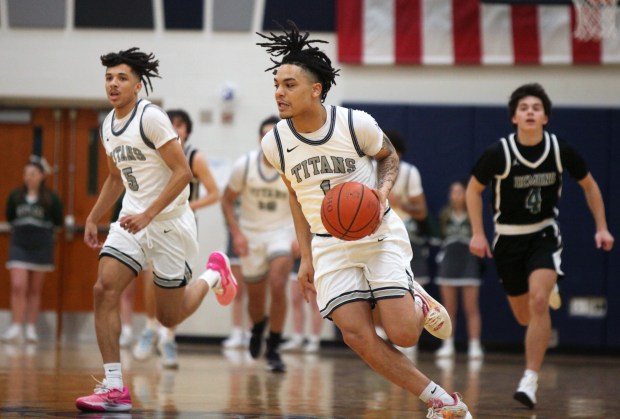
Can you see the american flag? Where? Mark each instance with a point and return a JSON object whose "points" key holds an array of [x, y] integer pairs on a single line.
{"points": [[456, 32]]}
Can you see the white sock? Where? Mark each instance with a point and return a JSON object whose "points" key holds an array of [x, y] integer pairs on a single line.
{"points": [[126, 330], [113, 375], [448, 343], [434, 391], [211, 277], [31, 329], [474, 343], [151, 323]]}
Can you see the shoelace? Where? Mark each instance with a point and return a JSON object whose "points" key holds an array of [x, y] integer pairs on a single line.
{"points": [[433, 319], [101, 387], [434, 406]]}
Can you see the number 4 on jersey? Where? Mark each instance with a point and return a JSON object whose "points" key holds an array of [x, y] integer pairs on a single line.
{"points": [[533, 202]]}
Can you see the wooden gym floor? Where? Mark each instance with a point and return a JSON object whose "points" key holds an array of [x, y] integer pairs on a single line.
{"points": [[44, 380]]}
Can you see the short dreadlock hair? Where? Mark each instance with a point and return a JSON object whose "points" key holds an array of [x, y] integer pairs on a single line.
{"points": [[296, 49], [144, 65]]}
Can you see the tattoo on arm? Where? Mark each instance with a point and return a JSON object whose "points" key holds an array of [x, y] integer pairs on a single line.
{"points": [[387, 164]]}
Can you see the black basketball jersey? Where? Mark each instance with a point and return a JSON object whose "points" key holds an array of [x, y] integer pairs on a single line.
{"points": [[527, 181]]}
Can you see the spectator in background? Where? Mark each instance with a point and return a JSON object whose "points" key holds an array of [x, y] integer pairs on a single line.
{"points": [[525, 169], [201, 175], [458, 270], [34, 212]]}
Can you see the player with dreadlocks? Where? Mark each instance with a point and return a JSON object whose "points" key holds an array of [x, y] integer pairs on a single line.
{"points": [[156, 227], [316, 147]]}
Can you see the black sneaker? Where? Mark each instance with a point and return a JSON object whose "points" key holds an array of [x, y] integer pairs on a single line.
{"points": [[274, 362], [256, 340]]}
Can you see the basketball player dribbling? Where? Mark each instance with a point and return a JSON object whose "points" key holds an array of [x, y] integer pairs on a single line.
{"points": [[156, 224], [315, 147], [525, 169]]}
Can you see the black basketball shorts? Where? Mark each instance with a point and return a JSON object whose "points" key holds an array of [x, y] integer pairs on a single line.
{"points": [[517, 256]]}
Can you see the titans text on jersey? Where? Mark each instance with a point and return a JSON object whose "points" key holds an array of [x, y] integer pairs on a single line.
{"points": [[320, 165]]}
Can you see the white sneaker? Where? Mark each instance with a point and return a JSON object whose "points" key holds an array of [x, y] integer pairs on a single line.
{"points": [[440, 410], [125, 339], [294, 344], [14, 334], [445, 351], [168, 351], [313, 346], [234, 341], [31, 334], [526, 392], [246, 339], [436, 319], [146, 345], [555, 301], [475, 351]]}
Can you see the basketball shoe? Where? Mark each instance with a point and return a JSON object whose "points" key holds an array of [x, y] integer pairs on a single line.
{"points": [[526, 392], [14, 334], [169, 353], [105, 399], [294, 344], [274, 360], [145, 346], [236, 340], [226, 288], [256, 340], [439, 410], [555, 301], [436, 319]]}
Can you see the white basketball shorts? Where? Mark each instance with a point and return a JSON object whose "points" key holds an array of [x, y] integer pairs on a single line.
{"points": [[369, 269], [170, 244]]}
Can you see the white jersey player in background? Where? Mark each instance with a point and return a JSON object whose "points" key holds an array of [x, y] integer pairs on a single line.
{"points": [[262, 237], [156, 224], [315, 148]]}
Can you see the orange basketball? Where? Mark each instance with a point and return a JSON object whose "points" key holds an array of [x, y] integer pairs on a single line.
{"points": [[350, 211]]}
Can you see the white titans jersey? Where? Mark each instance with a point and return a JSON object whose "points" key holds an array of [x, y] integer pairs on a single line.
{"points": [[408, 184], [263, 196], [316, 162], [132, 143]]}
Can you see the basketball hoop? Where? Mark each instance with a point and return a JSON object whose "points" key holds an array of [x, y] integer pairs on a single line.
{"points": [[596, 19]]}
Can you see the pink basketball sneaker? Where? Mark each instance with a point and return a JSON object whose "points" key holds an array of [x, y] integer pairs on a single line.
{"points": [[226, 288], [105, 399]]}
